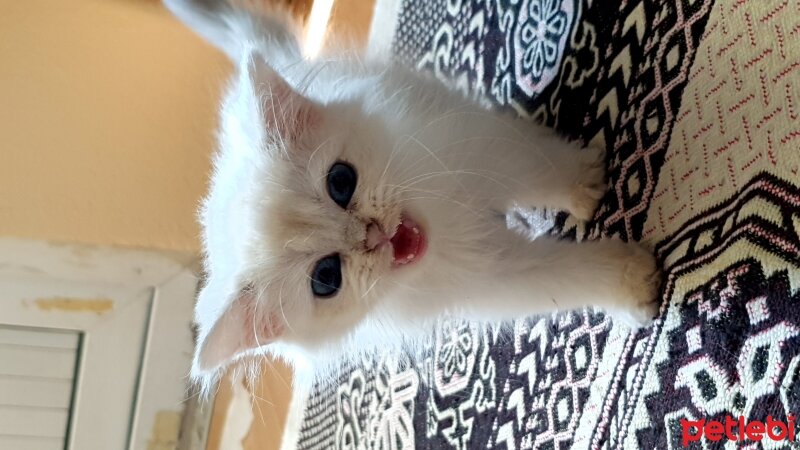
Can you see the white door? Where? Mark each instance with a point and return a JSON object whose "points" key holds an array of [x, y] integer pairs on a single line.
{"points": [[94, 347]]}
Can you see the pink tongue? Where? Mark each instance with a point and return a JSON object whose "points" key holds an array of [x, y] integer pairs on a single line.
{"points": [[406, 243]]}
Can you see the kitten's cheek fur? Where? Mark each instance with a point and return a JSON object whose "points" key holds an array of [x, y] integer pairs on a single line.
{"points": [[331, 320]]}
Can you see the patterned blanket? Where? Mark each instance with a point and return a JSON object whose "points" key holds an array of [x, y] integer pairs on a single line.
{"points": [[698, 103]]}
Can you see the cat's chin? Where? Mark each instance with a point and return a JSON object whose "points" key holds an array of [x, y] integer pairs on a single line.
{"points": [[410, 242]]}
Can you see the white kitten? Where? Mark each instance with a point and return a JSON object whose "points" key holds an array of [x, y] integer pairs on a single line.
{"points": [[351, 204]]}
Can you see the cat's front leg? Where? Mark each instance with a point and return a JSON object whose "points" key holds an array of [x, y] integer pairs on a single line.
{"points": [[548, 274], [589, 184], [561, 174]]}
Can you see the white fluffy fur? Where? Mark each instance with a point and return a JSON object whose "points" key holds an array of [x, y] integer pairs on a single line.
{"points": [[418, 148]]}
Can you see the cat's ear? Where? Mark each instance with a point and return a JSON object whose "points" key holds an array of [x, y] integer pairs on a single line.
{"points": [[242, 326], [285, 111]]}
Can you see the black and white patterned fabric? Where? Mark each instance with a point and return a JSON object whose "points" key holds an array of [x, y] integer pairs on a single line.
{"points": [[697, 103]]}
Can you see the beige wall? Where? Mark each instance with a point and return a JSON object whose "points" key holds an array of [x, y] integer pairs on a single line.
{"points": [[106, 118]]}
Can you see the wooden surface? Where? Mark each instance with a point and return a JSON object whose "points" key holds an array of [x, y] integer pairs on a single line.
{"points": [[350, 22], [269, 402], [271, 397], [219, 416]]}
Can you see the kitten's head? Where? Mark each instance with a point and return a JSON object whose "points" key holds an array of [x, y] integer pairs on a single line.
{"points": [[305, 225]]}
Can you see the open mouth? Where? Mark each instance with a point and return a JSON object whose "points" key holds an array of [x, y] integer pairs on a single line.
{"points": [[409, 242]]}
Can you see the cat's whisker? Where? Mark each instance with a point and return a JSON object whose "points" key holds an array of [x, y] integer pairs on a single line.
{"points": [[419, 162], [395, 149], [382, 177], [305, 83], [422, 178], [260, 399], [482, 115], [436, 158], [253, 404], [309, 236], [280, 304], [459, 203], [276, 134], [271, 363], [530, 147], [433, 195], [289, 242], [410, 288], [371, 287], [390, 99], [282, 186], [400, 146], [267, 360], [477, 151], [319, 147]]}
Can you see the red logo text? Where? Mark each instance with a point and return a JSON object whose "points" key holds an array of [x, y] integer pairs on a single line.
{"points": [[737, 430]]}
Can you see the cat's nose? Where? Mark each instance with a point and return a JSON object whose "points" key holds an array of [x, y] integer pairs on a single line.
{"points": [[375, 236]]}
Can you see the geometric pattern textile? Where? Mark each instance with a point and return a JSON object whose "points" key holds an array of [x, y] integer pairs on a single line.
{"points": [[698, 105]]}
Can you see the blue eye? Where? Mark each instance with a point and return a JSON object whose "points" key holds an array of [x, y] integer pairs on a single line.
{"points": [[326, 278], [342, 181]]}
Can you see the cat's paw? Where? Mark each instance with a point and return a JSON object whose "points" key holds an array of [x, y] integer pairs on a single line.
{"points": [[591, 185], [641, 280]]}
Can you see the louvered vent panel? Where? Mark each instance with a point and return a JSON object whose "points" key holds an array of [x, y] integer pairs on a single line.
{"points": [[37, 369]]}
